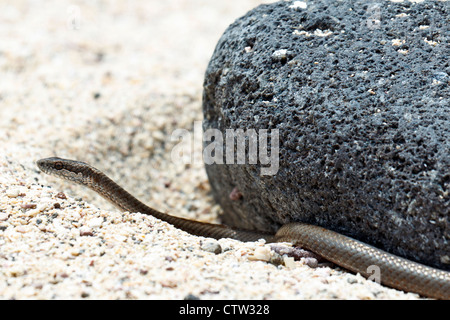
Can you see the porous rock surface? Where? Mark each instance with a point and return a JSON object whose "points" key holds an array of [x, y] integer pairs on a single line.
{"points": [[359, 92]]}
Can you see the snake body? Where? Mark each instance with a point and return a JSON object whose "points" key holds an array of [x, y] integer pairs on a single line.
{"points": [[344, 251]]}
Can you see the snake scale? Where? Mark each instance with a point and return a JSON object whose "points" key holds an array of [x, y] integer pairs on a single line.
{"points": [[344, 251]]}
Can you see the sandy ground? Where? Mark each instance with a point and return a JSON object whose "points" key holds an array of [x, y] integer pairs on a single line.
{"points": [[107, 83]]}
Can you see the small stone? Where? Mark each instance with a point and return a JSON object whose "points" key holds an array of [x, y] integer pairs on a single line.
{"points": [[352, 280], [95, 222], [299, 5], [22, 229], [289, 262], [61, 195], [280, 54], [311, 262], [13, 193], [295, 252], [169, 283], [261, 254], [28, 205], [3, 216], [211, 246], [86, 231]]}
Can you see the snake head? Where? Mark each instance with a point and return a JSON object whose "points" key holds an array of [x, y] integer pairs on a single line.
{"points": [[75, 171]]}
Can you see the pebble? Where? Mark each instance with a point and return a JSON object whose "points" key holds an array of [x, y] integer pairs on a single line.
{"points": [[86, 231], [289, 262], [261, 254], [13, 193], [23, 229], [3, 216], [280, 54], [95, 222], [211, 246], [311, 262], [28, 206]]}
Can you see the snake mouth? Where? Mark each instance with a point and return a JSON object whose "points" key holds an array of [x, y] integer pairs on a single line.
{"points": [[43, 165]]}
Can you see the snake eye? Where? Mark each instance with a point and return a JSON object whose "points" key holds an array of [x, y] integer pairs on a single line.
{"points": [[58, 165]]}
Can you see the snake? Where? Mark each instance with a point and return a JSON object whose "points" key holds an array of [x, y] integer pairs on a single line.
{"points": [[346, 252]]}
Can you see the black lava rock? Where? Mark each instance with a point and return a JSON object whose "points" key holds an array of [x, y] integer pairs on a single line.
{"points": [[360, 94]]}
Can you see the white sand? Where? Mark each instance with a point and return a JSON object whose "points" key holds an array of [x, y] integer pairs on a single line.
{"points": [[107, 84]]}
